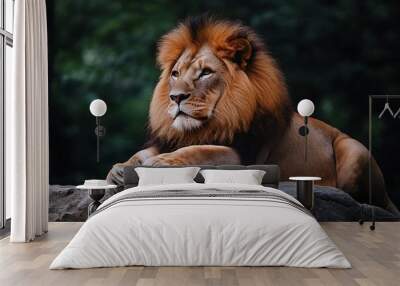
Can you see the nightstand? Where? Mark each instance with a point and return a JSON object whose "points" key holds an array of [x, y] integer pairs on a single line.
{"points": [[305, 190], [96, 193]]}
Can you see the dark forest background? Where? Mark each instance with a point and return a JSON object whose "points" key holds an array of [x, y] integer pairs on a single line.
{"points": [[335, 53]]}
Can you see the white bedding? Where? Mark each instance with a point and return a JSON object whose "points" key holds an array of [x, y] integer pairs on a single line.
{"points": [[200, 231]]}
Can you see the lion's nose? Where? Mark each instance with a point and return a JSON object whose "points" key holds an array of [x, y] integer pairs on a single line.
{"points": [[179, 97]]}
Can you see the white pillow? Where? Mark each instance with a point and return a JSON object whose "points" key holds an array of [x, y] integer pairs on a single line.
{"points": [[164, 176], [248, 177]]}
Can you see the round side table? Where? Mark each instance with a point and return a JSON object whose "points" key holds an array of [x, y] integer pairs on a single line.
{"points": [[305, 190], [96, 193]]}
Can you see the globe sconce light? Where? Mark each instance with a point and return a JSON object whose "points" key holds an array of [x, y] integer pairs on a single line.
{"points": [[98, 108], [305, 108]]}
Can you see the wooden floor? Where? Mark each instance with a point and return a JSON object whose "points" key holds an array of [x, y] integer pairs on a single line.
{"points": [[375, 257]]}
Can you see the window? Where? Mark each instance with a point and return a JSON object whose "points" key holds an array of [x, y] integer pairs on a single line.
{"points": [[6, 62]]}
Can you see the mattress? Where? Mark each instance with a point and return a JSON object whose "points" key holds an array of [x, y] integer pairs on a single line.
{"points": [[201, 225]]}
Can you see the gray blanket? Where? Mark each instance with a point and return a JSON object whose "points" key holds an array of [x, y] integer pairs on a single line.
{"points": [[205, 194]]}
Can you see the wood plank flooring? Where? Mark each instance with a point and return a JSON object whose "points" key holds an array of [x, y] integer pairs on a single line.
{"points": [[375, 257]]}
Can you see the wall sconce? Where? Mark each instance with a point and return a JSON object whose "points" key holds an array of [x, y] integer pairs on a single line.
{"points": [[305, 109], [98, 108]]}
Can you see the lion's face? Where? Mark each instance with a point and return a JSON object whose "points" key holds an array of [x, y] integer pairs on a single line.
{"points": [[196, 83], [216, 80]]}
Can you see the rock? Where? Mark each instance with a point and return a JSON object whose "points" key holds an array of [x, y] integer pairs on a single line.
{"points": [[332, 204], [66, 203]]}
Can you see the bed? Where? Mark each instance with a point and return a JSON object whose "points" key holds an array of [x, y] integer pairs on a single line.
{"points": [[198, 224]]}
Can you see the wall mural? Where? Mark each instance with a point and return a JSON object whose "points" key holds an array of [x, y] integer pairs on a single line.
{"points": [[221, 99], [210, 91]]}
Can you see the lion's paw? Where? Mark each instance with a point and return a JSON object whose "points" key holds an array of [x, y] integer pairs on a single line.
{"points": [[164, 160], [116, 174], [133, 161]]}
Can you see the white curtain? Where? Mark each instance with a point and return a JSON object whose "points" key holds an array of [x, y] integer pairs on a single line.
{"points": [[27, 124]]}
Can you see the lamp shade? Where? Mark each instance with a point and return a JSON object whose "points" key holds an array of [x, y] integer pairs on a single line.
{"points": [[98, 107], [305, 107]]}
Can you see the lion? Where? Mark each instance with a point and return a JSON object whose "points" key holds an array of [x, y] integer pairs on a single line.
{"points": [[221, 99]]}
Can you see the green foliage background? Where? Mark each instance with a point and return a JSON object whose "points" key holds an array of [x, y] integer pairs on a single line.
{"points": [[333, 52]]}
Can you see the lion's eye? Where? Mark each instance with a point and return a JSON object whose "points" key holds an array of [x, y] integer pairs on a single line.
{"points": [[205, 72], [175, 74]]}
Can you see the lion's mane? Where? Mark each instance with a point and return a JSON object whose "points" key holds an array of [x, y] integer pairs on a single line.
{"points": [[255, 95]]}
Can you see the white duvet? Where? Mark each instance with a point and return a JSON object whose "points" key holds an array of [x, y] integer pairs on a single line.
{"points": [[200, 231]]}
